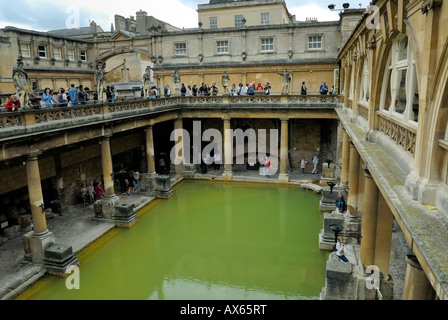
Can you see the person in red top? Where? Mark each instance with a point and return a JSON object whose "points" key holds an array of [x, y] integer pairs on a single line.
{"points": [[259, 87], [13, 104], [99, 191]]}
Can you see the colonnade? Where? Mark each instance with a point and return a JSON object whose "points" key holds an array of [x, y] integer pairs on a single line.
{"points": [[376, 223]]}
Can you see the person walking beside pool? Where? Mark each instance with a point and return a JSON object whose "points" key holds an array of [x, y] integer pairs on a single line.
{"points": [[303, 163], [267, 164]]}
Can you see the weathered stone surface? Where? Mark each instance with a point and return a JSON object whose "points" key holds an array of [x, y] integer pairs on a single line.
{"points": [[339, 282], [58, 258], [163, 188], [11, 232]]}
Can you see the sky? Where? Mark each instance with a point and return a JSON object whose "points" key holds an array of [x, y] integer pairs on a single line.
{"points": [[45, 15]]}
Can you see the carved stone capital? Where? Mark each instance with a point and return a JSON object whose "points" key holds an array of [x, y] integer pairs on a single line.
{"points": [[430, 4]]}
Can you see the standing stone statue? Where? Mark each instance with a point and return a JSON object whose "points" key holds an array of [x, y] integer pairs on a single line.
{"points": [[21, 82], [286, 81], [147, 82], [100, 77], [225, 82], [176, 80]]}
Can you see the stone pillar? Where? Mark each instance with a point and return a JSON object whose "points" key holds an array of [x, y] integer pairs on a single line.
{"points": [[369, 221], [228, 152], [106, 159], [416, 284], [353, 177], [35, 194], [283, 177], [345, 159], [384, 226], [35, 242], [150, 150], [178, 125]]}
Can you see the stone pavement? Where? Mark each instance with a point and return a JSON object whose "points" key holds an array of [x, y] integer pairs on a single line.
{"points": [[78, 228]]}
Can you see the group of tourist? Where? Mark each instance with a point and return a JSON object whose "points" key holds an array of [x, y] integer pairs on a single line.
{"points": [[129, 181], [323, 89], [72, 96]]}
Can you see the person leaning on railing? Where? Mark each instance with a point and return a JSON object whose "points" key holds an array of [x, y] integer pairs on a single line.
{"points": [[13, 104]]}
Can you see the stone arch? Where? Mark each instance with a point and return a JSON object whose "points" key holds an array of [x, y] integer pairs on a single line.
{"points": [[103, 57], [437, 118]]}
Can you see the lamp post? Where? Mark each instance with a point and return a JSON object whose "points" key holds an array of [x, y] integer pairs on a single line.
{"points": [[337, 228]]}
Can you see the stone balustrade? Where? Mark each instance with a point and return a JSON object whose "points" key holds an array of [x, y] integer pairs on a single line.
{"points": [[97, 111]]}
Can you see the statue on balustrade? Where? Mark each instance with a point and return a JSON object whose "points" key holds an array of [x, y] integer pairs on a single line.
{"points": [[225, 82], [147, 82], [21, 82], [286, 81], [176, 80], [100, 77]]}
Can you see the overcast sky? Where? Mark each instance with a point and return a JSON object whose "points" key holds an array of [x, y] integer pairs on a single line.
{"points": [[45, 15]]}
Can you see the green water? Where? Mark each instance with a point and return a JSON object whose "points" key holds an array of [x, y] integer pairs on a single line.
{"points": [[210, 241]]}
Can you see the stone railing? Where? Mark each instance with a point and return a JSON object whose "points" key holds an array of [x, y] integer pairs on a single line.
{"points": [[404, 136], [28, 117], [363, 111]]}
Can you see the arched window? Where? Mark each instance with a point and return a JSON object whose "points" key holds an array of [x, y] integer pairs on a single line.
{"points": [[399, 94], [365, 83]]}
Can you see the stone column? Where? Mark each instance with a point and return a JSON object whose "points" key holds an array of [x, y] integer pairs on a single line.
{"points": [[150, 150], [35, 242], [35, 194], [345, 159], [369, 221], [228, 152], [283, 177], [106, 159], [416, 284], [353, 177], [384, 226]]}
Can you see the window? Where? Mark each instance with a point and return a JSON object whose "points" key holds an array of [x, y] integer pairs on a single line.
{"points": [[25, 50], [181, 49], [365, 83], [42, 51], [399, 94], [83, 56], [222, 46], [71, 54], [265, 18], [57, 53], [213, 23], [315, 42], [267, 44], [239, 21]]}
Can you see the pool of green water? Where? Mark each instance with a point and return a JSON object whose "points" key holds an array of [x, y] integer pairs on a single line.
{"points": [[210, 241]]}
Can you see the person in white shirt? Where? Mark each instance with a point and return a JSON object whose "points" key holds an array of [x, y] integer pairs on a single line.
{"points": [[340, 250]]}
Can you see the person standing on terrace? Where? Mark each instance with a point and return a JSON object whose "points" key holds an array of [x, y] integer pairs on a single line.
{"points": [[48, 99]]}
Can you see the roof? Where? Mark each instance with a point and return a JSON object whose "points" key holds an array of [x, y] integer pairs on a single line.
{"points": [[75, 31]]}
